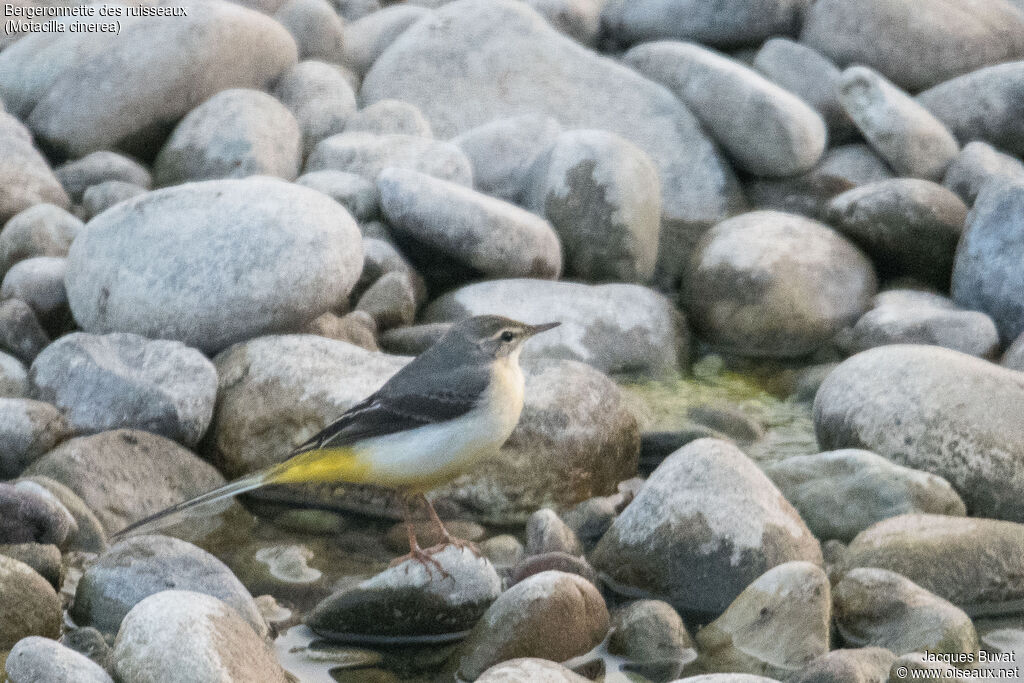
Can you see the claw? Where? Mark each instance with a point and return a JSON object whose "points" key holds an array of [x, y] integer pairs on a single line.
{"points": [[424, 558], [459, 543]]}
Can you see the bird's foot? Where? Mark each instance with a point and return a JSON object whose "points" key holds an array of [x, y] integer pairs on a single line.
{"points": [[423, 557], [459, 543]]}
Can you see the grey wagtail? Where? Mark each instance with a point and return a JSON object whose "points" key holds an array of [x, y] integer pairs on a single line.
{"points": [[454, 404]]}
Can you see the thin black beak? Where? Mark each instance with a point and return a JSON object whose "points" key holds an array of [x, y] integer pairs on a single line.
{"points": [[537, 329]]}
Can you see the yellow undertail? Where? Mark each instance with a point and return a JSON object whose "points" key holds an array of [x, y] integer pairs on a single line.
{"points": [[328, 465]]}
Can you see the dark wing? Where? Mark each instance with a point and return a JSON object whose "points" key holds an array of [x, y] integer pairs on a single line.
{"points": [[403, 405]]}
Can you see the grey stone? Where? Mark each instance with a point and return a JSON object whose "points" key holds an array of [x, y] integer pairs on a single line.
{"points": [[766, 130], [13, 377], [113, 381], [551, 615], [977, 164], [391, 300], [29, 606], [859, 665], [840, 169], [532, 669], [213, 263], [21, 335], [36, 659], [616, 328], [504, 551], [901, 130], [319, 97], [778, 624], [968, 561], [145, 79], [234, 134], [503, 152], [428, 534], [28, 430], [908, 226], [705, 524], [39, 282], [915, 44], [776, 285], [25, 177], [808, 74], [724, 24], [357, 194], [125, 475], [601, 194], [318, 31], [554, 560], [41, 230], [390, 117], [994, 117], [841, 493], [32, 516], [98, 167], [89, 536], [221, 646], [730, 678], [578, 19], [877, 607], [352, 10], [649, 633], [491, 237], [101, 196], [546, 532], [89, 642], [499, 59], [411, 600], [368, 37], [895, 401], [138, 567], [367, 155], [1013, 358], [414, 339], [985, 276]]}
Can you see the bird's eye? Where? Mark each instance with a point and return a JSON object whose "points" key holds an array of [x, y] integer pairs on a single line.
{"points": [[507, 336]]}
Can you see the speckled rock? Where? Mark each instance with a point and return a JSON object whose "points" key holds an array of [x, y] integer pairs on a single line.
{"points": [[262, 255], [705, 524], [35, 659], [617, 328], [318, 31], [94, 168], [25, 177], [13, 377], [319, 97], [773, 284], [28, 430], [41, 230], [390, 117], [29, 606], [221, 645], [367, 155], [860, 665], [901, 130], [841, 493], [877, 607], [368, 37], [977, 164]]}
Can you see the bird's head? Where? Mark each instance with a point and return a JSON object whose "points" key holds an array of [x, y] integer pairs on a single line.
{"points": [[495, 336]]}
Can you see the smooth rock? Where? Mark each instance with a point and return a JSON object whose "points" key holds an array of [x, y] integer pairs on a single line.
{"points": [[555, 560], [546, 532], [367, 155], [13, 377], [841, 493], [94, 168], [724, 24], [529, 670], [89, 642], [114, 381], [778, 624], [28, 430], [212, 263], [776, 285], [36, 659], [221, 646], [616, 328], [504, 551], [984, 276], [429, 535], [481, 233], [908, 226], [319, 97], [977, 164], [499, 59], [970, 562], [503, 152], [125, 94], [357, 194], [234, 134], [39, 282], [650, 634], [318, 31], [601, 194], [41, 230], [1013, 358], [766, 130], [877, 607], [368, 37], [915, 44], [892, 400], [29, 606], [352, 10], [357, 328], [705, 524], [551, 615], [32, 516], [87, 532], [414, 339], [578, 19], [390, 117], [911, 140], [860, 665], [994, 117], [140, 566], [125, 475], [100, 197], [25, 177], [44, 558], [410, 601], [391, 300], [21, 335]]}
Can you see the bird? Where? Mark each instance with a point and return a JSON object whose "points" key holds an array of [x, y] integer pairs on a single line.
{"points": [[450, 407]]}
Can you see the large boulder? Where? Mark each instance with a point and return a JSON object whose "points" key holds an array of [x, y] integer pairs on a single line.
{"points": [[896, 401], [706, 523], [127, 93], [773, 284], [498, 58], [617, 328], [212, 263]]}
